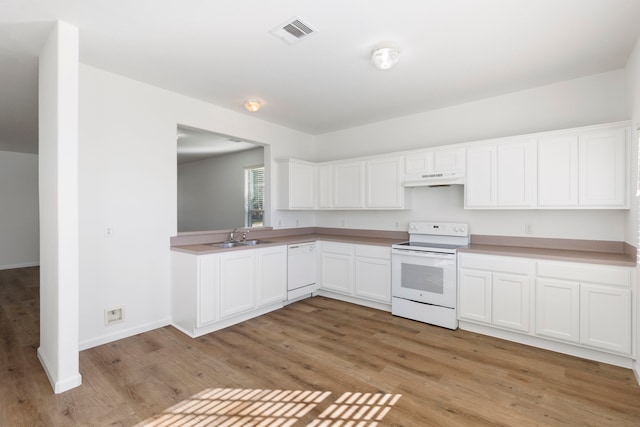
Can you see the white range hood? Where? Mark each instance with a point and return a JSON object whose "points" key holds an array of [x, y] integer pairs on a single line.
{"points": [[434, 179]]}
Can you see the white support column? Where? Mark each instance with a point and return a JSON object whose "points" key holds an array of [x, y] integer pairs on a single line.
{"points": [[58, 186]]}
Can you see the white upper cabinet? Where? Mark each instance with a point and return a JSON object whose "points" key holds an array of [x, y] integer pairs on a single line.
{"points": [[558, 171], [577, 169], [435, 161], [586, 169], [516, 174], [298, 189], [325, 186], [384, 183], [601, 169], [501, 175], [348, 185], [481, 177]]}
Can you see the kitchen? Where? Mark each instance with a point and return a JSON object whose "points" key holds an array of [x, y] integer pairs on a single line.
{"points": [[137, 258]]}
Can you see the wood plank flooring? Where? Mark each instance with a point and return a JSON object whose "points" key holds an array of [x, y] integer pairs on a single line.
{"points": [[318, 362]]}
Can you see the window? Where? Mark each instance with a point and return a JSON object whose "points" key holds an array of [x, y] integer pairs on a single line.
{"points": [[254, 196]]}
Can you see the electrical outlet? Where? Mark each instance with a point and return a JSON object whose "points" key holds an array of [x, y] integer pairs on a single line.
{"points": [[114, 315], [344, 222], [280, 223], [528, 229], [108, 232], [297, 223], [397, 224]]}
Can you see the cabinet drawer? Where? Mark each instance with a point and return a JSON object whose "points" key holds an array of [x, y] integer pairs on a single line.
{"points": [[337, 248], [586, 273], [383, 252], [500, 264]]}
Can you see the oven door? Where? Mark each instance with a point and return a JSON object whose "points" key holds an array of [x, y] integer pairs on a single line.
{"points": [[424, 277]]}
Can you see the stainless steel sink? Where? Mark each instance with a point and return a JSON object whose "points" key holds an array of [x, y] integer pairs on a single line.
{"points": [[254, 242], [235, 243], [227, 244]]}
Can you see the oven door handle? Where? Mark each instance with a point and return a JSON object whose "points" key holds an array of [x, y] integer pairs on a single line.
{"points": [[422, 254]]}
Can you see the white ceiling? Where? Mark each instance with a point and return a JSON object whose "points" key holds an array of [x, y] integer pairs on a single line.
{"points": [[453, 51]]}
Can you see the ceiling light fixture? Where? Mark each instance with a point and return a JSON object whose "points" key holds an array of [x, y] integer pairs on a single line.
{"points": [[252, 105], [385, 57]]}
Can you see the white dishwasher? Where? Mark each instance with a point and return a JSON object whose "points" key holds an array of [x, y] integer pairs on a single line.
{"points": [[301, 272]]}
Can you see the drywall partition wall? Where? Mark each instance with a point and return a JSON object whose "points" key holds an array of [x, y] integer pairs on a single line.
{"points": [[19, 227], [585, 101], [211, 192], [580, 102], [633, 217], [633, 107], [58, 195], [128, 193]]}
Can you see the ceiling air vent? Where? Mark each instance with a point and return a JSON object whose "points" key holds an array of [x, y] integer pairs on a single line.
{"points": [[293, 30]]}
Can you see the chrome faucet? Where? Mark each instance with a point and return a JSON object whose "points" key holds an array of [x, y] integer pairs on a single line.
{"points": [[232, 235]]}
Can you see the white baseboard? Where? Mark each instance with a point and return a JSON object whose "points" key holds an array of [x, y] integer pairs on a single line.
{"points": [[636, 371], [59, 385], [124, 333], [21, 265]]}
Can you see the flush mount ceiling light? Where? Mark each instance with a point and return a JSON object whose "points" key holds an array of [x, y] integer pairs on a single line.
{"points": [[252, 105], [385, 57]]}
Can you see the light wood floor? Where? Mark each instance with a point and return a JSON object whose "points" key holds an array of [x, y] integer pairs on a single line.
{"points": [[318, 362]]}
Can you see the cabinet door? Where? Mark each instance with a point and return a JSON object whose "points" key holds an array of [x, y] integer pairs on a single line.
{"points": [[348, 185], [325, 186], [373, 279], [271, 280], [434, 161], [480, 188], [336, 270], [208, 287], [301, 185], [448, 160], [384, 183], [237, 282], [602, 170], [510, 301], [605, 318], [558, 171], [515, 163], [417, 163], [474, 295], [558, 309]]}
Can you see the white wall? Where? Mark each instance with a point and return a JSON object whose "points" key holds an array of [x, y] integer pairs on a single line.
{"points": [[58, 198], [19, 221], [211, 192], [128, 182], [633, 105], [586, 101]]}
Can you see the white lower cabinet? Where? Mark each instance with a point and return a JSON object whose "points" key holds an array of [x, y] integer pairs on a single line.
{"points": [[582, 309], [373, 272], [238, 279], [336, 267], [586, 304], [558, 309], [271, 278], [605, 318], [495, 290], [359, 272], [213, 291]]}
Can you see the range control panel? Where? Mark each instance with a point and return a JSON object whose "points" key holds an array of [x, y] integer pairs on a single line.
{"points": [[439, 228]]}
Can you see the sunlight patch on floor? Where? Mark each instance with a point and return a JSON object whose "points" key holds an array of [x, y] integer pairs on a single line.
{"points": [[274, 408]]}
